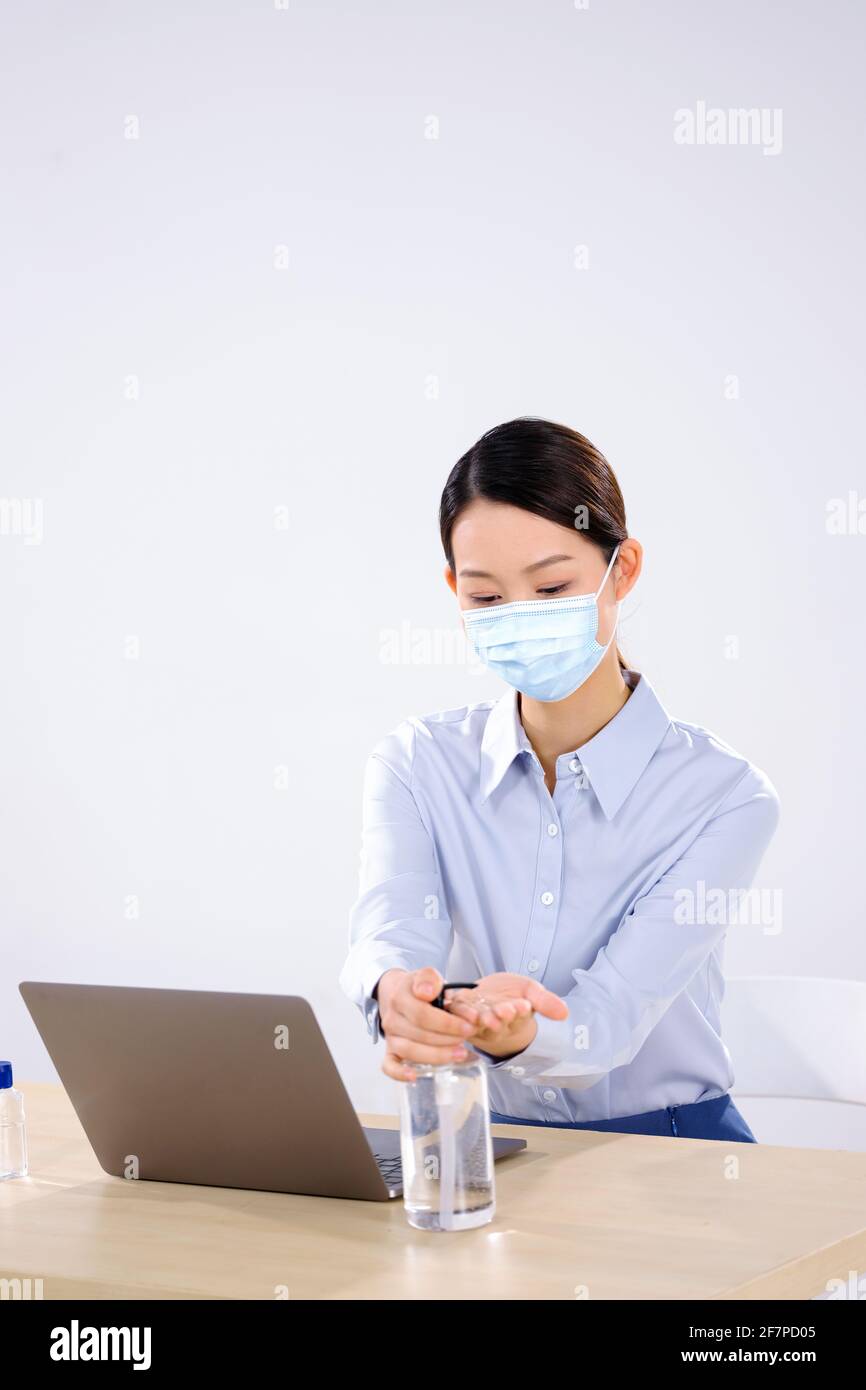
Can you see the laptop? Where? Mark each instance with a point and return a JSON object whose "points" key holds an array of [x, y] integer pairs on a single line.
{"points": [[216, 1089]]}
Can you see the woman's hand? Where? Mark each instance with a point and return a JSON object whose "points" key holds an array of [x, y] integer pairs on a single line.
{"points": [[416, 1031], [501, 1010]]}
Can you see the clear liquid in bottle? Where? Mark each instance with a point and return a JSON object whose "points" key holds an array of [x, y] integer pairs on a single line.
{"points": [[446, 1148], [13, 1136]]}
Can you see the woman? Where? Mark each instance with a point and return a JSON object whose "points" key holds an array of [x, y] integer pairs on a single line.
{"points": [[558, 845]]}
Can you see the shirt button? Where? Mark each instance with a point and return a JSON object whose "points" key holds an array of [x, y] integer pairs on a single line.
{"points": [[553, 828], [574, 765], [532, 966], [549, 1095], [547, 899], [517, 1071]]}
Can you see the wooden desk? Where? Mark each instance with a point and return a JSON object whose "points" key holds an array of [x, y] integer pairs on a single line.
{"points": [[622, 1216]]}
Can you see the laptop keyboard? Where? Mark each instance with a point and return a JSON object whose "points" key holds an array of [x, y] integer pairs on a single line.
{"points": [[390, 1168]]}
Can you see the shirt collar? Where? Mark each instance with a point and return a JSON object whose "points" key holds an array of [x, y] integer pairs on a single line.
{"points": [[613, 760], [504, 737]]}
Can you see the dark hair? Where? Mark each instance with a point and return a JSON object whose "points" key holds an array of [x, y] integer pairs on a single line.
{"points": [[544, 468]]}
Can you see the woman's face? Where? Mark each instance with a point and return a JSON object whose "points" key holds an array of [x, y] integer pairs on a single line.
{"points": [[503, 554]]}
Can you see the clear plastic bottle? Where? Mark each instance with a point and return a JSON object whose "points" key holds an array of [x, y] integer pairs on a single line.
{"points": [[445, 1146], [13, 1137]]}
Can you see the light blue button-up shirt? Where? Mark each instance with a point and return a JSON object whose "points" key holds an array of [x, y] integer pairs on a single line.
{"points": [[615, 892]]}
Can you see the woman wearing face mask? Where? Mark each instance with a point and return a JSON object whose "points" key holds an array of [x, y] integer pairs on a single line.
{"points": [[559, 845]]}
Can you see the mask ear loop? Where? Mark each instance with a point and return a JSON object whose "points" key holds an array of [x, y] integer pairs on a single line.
{"points": [[607, 573], [598, 591]]}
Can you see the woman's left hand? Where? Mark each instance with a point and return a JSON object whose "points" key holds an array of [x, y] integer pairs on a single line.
{"points": [[502, 1008]]}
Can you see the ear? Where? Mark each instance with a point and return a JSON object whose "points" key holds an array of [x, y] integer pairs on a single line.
{"points": [[627, 567], [451, 579]]}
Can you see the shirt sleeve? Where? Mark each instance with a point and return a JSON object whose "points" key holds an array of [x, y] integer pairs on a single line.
{"points": [[657, 948], [399, 919]]}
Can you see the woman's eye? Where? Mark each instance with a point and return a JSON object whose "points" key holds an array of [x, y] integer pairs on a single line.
{"points": [[484, 598], [554, 589]]}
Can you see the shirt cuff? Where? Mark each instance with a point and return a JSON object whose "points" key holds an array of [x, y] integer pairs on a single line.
{"points": [[548, 1047], [371, 1015], [369, 980]]}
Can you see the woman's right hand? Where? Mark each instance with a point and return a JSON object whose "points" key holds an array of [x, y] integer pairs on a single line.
{"points": [[416, 1031]]}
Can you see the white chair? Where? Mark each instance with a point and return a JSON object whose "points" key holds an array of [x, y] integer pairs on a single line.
{"points": [[799, 1040]]}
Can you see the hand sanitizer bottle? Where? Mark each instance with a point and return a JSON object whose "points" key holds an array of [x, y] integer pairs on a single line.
{"points": [[13, 1139]]}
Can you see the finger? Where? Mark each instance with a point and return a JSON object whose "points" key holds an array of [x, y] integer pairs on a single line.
{"points": [[406, 1028], [412, 1051], [507, 1010], [544, 1001], [423, 1015], [485, 1015], [481, 1012], [488, 1019], [523, 1007], [427, 983], [397, 1069], [464, 1010]]}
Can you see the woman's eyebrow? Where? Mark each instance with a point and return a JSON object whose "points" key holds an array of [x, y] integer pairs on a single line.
{"points": [[538, 564], [551, 560]]}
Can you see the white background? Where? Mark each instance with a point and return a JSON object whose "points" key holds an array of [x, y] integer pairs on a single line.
{"points": [[430, 293]]}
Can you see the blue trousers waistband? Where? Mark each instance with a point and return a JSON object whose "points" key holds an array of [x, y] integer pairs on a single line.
{"points": [[718, 1118]]}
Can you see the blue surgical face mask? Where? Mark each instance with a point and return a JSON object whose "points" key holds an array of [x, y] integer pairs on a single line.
{"points": [[546, 648]]}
